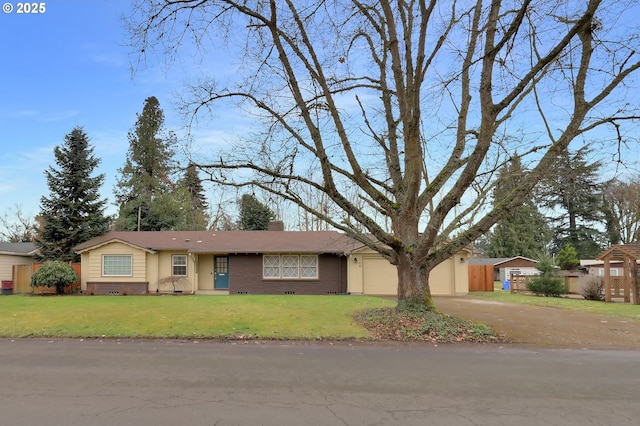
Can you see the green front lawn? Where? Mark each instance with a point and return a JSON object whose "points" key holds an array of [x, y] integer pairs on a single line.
{"points": [[268, 317], [622, 310]]}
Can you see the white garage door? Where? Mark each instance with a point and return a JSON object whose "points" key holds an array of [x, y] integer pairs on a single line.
{"points": [[380, 277]]}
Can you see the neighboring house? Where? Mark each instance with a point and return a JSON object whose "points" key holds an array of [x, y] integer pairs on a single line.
{"points": [[14, 254], [596, 267], [239, 262], [505, 266]]}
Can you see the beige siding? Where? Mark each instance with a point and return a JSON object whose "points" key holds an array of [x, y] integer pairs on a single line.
{"points": [[154, 268], [152, 271], [461, 263], [442, 278], [92, 264], [85, 259], [6, 263], [372, 274], [166, 282], [354, 274]]}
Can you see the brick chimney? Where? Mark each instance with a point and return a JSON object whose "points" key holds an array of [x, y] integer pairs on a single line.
{"points": [[276, 225]]}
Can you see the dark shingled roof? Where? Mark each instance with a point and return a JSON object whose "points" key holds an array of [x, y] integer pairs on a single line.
{"points": [[495, 261], [230, 241], [18, 249]]}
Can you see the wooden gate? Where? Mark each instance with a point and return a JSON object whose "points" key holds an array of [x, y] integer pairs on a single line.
{"points": [[22, 278], [480, 277]]}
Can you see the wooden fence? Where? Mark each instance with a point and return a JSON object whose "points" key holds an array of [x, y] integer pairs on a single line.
{"points": [[518, 283], [480, 277], [22, 279]]}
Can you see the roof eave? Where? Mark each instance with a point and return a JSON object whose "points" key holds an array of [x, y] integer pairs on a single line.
{"points": [[115, 240]]}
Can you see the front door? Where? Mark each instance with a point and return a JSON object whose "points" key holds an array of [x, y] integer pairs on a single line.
{"points": [[221, 273]]}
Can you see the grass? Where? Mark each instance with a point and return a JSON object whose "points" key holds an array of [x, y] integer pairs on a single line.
{"points": [[239, 317], [621, 310]]}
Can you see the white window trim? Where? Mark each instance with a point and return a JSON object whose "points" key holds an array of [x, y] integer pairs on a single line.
{"points": [[281, 266], [316, 266], [613, 272], [173, 265], [130, 256]]}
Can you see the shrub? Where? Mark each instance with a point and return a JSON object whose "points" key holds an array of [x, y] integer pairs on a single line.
{"points": [[568, 257], [591, 287], [547, 284], [56, 274]]}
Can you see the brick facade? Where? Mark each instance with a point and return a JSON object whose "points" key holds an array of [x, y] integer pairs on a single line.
{"points": [[245, 276], [115, 288]]}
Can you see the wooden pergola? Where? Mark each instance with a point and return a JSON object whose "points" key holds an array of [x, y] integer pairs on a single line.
{"points": [[628, 254]]}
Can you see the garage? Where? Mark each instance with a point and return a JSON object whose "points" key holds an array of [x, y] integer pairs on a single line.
{"points": [[380, 277], [370, 273]]}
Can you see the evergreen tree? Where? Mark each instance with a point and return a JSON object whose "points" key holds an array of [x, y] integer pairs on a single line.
{"points": [[145, 181], [547, 283], [524, 231], [73, 213], [573, 197], [254, 216], [196, 208], [567, 257]]}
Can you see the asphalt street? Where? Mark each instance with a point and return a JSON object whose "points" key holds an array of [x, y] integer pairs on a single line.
{"points": [[144, 382]]}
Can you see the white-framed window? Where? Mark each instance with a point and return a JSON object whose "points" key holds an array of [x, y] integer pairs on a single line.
{"points": [[117, 265], [612, 272], [289, 266], [179, 265], [308, 266], [271, 266]]}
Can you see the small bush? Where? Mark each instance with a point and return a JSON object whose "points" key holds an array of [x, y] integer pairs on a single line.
{"points": [[56, 274], [591, 287], [547, 284]]}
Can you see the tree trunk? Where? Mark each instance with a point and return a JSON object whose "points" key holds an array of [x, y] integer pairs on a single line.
{"points": [[413, 283]]}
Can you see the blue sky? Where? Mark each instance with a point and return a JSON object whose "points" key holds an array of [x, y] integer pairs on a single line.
{"points": [[70, 66]]}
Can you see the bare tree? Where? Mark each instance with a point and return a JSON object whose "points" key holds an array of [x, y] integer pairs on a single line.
{"points": [[17, 227], [623, 201], [414, 102]]}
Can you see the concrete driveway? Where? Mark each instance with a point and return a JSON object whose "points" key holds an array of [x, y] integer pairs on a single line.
{"points": [[546, 327]]}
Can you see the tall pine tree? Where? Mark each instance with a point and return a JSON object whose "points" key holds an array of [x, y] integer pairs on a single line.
{"points": [[524, 231], [197, 216], [144, 190], [73, 212], [572, 195], [254, 215]]}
